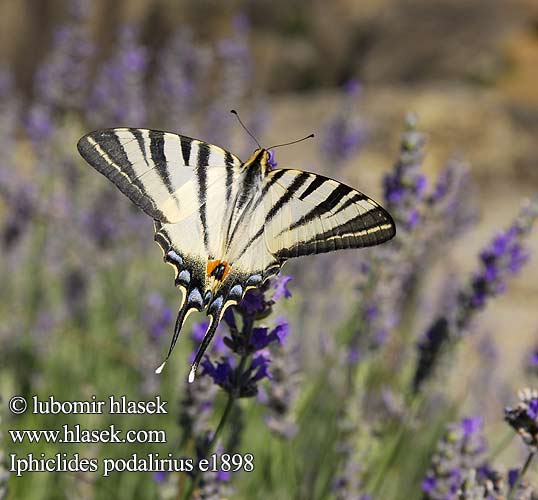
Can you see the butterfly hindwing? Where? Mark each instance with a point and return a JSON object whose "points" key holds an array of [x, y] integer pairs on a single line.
{"points": [[318, 214]]}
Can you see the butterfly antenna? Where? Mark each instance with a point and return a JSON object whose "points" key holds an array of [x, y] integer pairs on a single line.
{"points": [[234, 112], [292, 142]]}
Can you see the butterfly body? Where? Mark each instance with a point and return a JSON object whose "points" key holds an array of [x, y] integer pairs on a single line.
{"points": [[224, 225]]}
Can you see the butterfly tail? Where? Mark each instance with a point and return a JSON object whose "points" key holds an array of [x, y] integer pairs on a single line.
{"points": [[214, 312], [184, 309]]}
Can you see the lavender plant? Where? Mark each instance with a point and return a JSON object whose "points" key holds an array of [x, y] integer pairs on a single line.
{"points": [[386, 273], [459, 453], [344, 134], [501, 259], [524, 420], [352, 430], [280, 395], [235, 65], [118, 93], [69, 271], [245, 361], [459, 467], [178, 89], [62, 80]]}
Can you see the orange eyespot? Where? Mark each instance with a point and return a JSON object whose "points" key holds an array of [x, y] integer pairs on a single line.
{"points": [[211, 265], [219, 269]]}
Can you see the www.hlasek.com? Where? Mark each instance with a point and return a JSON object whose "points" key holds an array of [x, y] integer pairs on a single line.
{"points": [[62, 462]]}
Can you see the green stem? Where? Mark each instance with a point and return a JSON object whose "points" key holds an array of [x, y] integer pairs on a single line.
{"points": [[197, 476], [232, 396], [502, 445], [517, 482]]}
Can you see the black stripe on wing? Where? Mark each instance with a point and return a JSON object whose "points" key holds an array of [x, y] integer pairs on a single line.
{"points": [[373, 228], [186, 144], [316, 183], [287, 196], [256, 203], [340, 217], [201, 175], [120, 153], [156, 147], [328, 206], [104, 151]]}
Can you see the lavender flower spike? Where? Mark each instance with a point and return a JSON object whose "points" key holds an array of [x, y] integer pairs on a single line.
{"points": [[405, 186], [240, 374], [458, 454], [502, 258], [344, 135], [524, 418]]}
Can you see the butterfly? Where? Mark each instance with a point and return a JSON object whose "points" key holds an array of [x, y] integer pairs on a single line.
{"points": [[225, 225]]}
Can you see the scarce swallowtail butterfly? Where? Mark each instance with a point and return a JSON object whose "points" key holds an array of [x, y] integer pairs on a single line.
{"points": [[226, 225]]}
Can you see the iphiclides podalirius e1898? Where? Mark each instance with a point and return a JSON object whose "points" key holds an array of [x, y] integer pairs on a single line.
{"points": [[226, 225]]}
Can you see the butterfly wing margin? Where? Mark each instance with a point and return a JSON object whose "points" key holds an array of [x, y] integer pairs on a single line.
{"points": [[148, 166], [308, 214]]}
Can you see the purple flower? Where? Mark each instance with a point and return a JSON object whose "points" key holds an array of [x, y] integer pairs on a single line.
{"points": [[253, 302], [532, 410], [229, 318], [272, 162], [281, 288], [181, 69], [405, 185], [458, 455], [259, 368], [513, 474], [221, 372], [118, 93], [39, 123], [249, 342], [259, 338], [524, 418], [281, 331], [505, 255], [62, 80], [471, 425], [157, 316], [497, 263], [160, 476], [344, 135]]}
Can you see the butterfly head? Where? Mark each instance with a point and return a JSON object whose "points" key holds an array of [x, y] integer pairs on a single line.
{"points": [[259, 160]]}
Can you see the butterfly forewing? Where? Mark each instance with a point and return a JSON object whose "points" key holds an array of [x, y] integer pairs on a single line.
{"points": [[158, 171]]}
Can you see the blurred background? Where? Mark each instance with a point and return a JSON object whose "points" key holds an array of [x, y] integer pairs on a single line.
{"points": [[431, 108]]}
